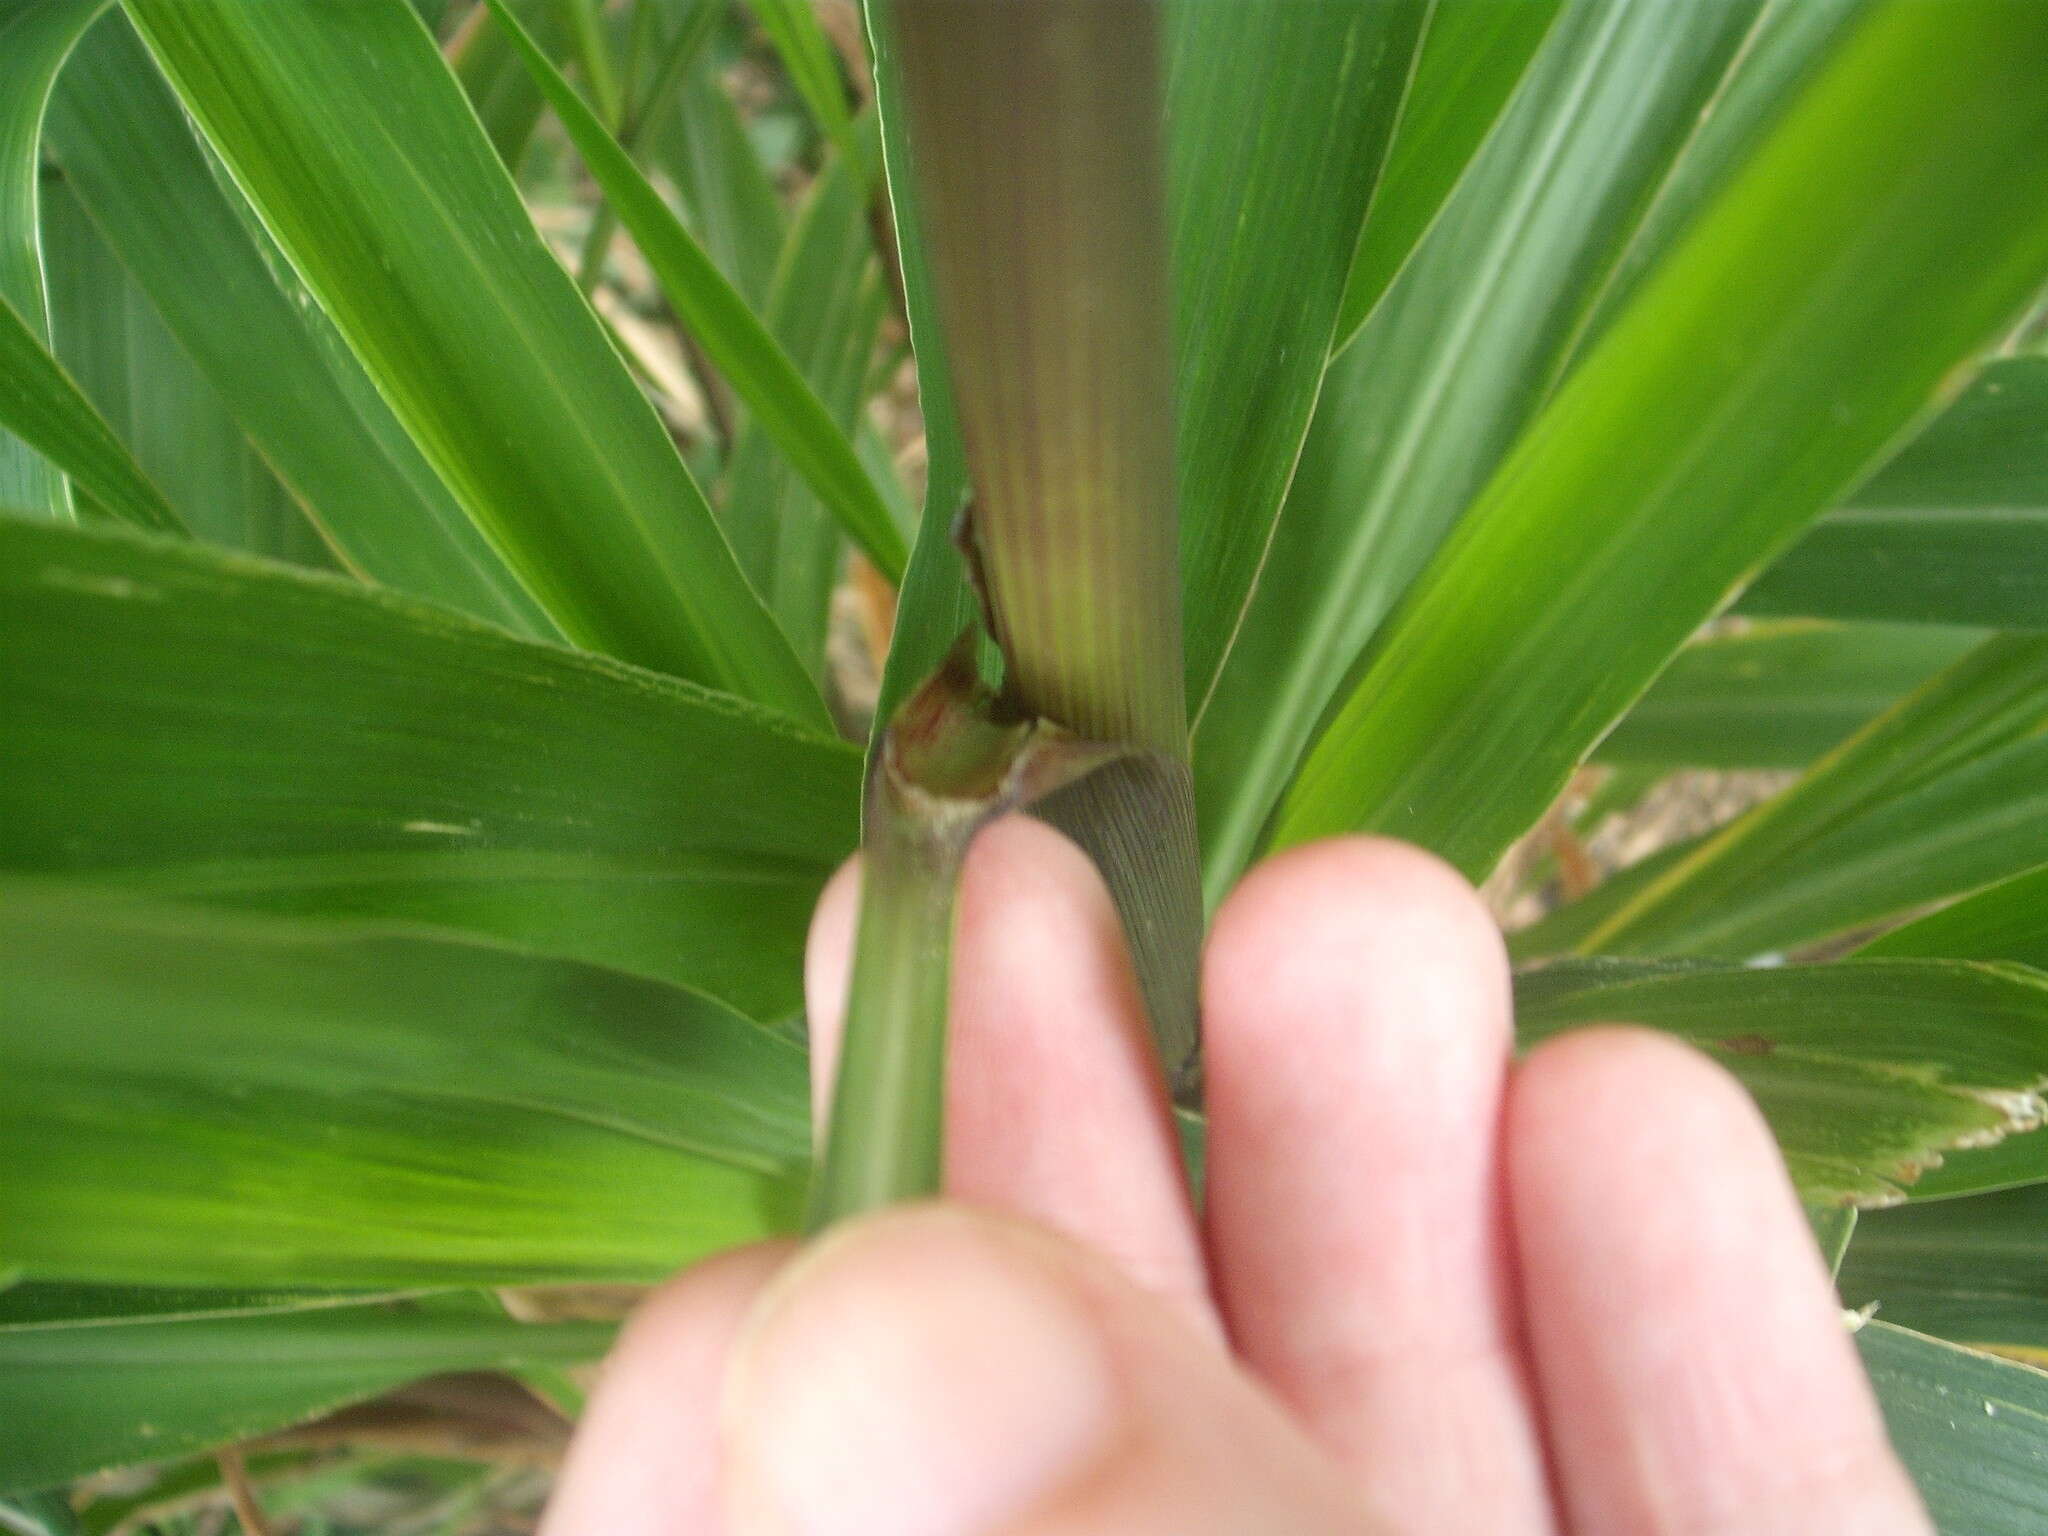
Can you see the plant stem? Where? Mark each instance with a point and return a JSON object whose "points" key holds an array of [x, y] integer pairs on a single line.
{"points": [[886, 1136]]}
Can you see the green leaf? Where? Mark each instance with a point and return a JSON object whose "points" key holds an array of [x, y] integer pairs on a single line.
{"points": [[47, 410], [792, 26], [1972, 1430], [760, 372], [202, 1098], [1279, 113], [1952, 531], [109, 338], [1868, 1070], [310, 745], [494, 78], [1973, 1270], [2006, 921], [824, 306], [1791, 40], [1946, 791], [585, 28], [1893, 220], [935, 603], [703, 147], [1777, 694], [345, 130], [1420, 408], [1473, 55], [226, 294], [79, 1397], [35, 38]]}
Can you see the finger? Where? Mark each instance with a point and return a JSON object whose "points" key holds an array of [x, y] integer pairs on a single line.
{"points": [[645, 1458], [1690, 1352], [1055, 1108], [1357, 1008], [942, 1371]]}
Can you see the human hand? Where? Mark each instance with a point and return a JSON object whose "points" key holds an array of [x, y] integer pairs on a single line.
{"points": [[1434, 1292]]}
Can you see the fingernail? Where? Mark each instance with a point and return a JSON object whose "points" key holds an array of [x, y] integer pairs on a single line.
{"points": [[918, 1380]]}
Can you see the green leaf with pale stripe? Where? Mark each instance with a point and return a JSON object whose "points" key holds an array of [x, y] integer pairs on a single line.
{"points": [[226, 294], [1952, 531], [1946, 791], [781, 402], [1777, 694], [47, 410], [1474, 53], [1279, 114], [1868, 1070], [207, 1098], [318, 747], [83, 1395], [1461, 351], [347, 133], [35, 38], [1971, 1429], [1892, 222]]}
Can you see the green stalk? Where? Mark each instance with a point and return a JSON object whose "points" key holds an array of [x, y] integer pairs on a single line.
{"points": [[955, 760], [1035, 146], [1035, 132], [887, 1135]]}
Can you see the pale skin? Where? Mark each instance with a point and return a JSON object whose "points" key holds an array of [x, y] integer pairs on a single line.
{"points": [[1435, 1289]]}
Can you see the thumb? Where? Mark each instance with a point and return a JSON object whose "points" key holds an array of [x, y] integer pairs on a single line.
{"points": [[944, 1372]]}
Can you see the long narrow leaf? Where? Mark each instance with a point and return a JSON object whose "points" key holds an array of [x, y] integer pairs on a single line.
{"points": [[792, 25], [825, 306], [1895, 219], [1279, 113], [198, 1098], [1473, 55], [1972, 1430], [2006, 921], [35, 38], [83, 1395], [347, 133], [309, 745], [1974, 1270], [46, 410], [1953, 531], [1868, 1070], [759, 370], [1945, 792], [226, 294], [1779, 694], [145, 386], [1422, 405]]}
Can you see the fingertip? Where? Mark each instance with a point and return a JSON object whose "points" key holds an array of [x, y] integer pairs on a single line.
{"points": [[644, 1460], [828, 972], [1020, 868], [1688, 1342], [1330, 908], [1656, 1105], [925, 1370]]}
